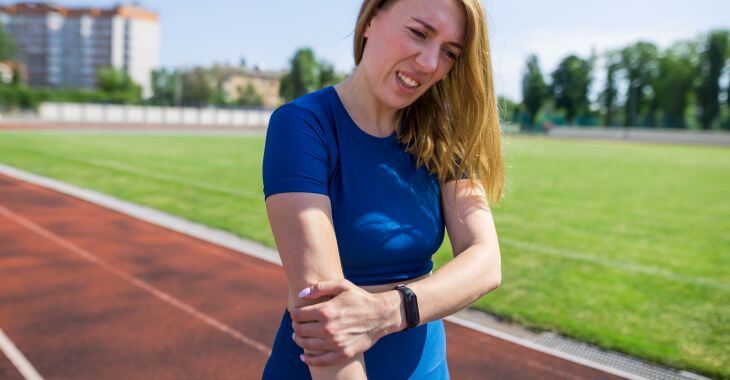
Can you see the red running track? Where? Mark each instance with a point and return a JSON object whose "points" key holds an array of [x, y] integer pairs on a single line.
{"points": [[87, 292]]}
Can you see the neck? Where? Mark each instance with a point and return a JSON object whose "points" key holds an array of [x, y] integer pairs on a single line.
{"points": [[366, 110]]}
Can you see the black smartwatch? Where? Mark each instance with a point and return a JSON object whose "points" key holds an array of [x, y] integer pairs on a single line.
{"points": [[411, 303]]}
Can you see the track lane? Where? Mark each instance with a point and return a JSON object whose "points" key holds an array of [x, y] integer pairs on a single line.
{"points": [[75, 319]]}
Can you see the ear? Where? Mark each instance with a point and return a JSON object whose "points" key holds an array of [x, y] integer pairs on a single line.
{"points": [[366, 33]]}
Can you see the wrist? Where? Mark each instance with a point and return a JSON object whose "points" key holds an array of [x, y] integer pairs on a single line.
{"points": [[394, 319]]}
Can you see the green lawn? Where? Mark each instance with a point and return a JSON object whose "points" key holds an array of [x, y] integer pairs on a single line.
{"points": [[619, 244]]}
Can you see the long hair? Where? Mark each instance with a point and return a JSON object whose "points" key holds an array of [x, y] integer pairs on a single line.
{"points": [[453, 128]]}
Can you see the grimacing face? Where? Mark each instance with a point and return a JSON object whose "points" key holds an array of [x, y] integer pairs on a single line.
{"points": [[411, 45]]}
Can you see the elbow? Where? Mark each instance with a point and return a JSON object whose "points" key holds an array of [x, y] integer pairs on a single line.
{"points": [[491, 283], [492, 280], [493, 269], [494, 277], [497, 281]]}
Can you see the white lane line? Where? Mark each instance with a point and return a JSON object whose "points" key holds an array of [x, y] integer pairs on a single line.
{"points": [[17, 358], [156, 217], [135, 281]]}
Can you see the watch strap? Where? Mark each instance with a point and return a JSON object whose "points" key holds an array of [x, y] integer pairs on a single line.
{"points": [[411, 305]]}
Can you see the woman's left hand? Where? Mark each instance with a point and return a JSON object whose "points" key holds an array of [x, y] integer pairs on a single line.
{"points": [[343, 326]]}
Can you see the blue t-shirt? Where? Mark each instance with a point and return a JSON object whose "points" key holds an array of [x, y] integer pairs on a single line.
{"points": [[387, 213]]}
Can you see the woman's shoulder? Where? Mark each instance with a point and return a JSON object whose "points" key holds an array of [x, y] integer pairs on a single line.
{"points": [[314, 106], [312, 114]]}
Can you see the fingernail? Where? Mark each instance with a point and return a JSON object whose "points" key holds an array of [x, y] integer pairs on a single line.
{"points": [[304, 293], [301, 357]]}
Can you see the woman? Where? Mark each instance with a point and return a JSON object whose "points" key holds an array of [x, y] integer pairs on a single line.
{"points": [[360, 180]]}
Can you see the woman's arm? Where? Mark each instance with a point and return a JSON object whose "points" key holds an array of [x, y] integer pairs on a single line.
{"points": [[303, 230], [475, 269]]}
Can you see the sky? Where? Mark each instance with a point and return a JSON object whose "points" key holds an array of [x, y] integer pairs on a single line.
{"points": [[268, 32]]}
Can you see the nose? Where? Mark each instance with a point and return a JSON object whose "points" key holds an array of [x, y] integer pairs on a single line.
{"points": [[427, 60]]}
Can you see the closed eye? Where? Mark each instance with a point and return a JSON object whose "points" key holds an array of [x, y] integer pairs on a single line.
{"points": [[418, 33], [422, 36]]}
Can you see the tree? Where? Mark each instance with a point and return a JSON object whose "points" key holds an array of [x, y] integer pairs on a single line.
{"points": [[307, 74], [303, 77], [165, 86], [570, 84], [118, 85], [534, 89], [8, 48], [609, 94], [218, 95], [196, 89], [638, 62], [112, 80], [508, 109], [714, 60], [327, 74], [676, 74], [727, 107], [249, 97]]}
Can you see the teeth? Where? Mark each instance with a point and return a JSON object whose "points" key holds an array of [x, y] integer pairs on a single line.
{"points": [[410, 82]]}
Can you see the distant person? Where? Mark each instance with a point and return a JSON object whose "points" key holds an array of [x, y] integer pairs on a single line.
{"points": [[360, 181], [547, 125]]}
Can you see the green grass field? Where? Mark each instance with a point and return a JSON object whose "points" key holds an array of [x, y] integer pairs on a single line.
{"points": [[620, 244]]}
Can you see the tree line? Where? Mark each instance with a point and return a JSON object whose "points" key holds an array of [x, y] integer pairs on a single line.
{"points": [[686, 85], [201, 87], [644, 86]]}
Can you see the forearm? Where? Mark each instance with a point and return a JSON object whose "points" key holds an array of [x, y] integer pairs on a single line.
{"points": [[470, 275], [354, 369]]}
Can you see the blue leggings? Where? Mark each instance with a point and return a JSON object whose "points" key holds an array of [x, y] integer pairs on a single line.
{"points": [[417, 353]]}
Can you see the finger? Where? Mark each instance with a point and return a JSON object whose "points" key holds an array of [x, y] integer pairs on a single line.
{"points": [[308, 330], [327, 359], [306, 316], [312, 313], [310, 344], [324, 288], [314, 352], [322, 312]]}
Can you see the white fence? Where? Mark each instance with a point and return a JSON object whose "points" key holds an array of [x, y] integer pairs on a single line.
{"points": [[128, 114], [678, 136]]}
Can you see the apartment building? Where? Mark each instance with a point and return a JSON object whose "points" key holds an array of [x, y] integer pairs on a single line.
{"points": [[64, 47]]}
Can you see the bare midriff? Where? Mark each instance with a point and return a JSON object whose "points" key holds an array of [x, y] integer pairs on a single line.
{"points": [[386, 287]]}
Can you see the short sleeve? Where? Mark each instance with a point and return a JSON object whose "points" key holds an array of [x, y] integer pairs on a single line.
{"points": [[295, 153]]}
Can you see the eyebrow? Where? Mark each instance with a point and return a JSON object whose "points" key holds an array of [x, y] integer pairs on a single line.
{"points": [[433, 30]]}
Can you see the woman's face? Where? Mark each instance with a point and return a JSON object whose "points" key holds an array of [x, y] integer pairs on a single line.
{"points": [[410, 46]]}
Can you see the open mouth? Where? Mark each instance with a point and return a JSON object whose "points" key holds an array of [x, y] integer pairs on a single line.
{"points": [[407, 81]]}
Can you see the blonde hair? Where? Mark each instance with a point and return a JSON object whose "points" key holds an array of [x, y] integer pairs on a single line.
{"points": [[453, 128]]}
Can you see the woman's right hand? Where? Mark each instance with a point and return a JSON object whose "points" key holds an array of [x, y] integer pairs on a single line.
{"points": [[292, 337]]}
